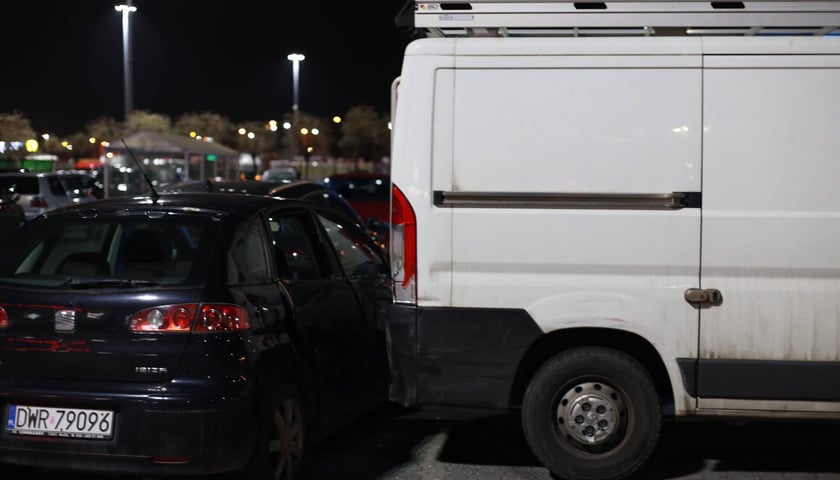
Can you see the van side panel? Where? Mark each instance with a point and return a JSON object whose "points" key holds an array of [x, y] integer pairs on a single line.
{"points": [[577, 126], [771, 232], [573, 125]]}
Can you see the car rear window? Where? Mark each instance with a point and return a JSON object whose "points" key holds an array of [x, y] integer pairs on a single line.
{"points": [[104, 252]]}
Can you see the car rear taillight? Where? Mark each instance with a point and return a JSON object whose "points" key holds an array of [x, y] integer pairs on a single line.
{"points": [[403, 247], [4, 318], [190, 318], [39, 202]]}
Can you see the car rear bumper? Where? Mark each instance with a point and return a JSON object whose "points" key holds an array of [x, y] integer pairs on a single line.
{"points": [[204, 432]]}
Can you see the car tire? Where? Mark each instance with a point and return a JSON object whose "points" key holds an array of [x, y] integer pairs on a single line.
{"points": [[591, 414], [280, 448]]}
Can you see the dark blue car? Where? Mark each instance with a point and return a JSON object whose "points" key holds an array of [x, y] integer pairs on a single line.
{"points": [[188, 334]]}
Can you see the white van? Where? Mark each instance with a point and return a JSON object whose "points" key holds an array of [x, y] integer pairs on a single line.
{"points": [[600, 230]]}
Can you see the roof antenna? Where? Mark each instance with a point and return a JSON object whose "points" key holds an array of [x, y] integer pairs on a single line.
{"points": [[154, 193]]}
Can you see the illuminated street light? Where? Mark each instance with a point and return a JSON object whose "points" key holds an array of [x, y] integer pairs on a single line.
{"points": [[126, 10], [295, 58]]}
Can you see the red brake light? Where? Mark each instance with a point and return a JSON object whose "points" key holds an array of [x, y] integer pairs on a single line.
{"points": [[38, 202], [4, 318], [403, 245], [182, 318], [222, 318]]}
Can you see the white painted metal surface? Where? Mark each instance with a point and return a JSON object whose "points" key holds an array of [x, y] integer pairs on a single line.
{"points": [[771, 213], [750, 122]]}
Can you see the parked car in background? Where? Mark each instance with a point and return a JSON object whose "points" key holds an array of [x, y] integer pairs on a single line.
{"points": [[191, 334], [302, 190], [84, 183], [11, 215], [279, 174], [369, 194], [42, 191]]}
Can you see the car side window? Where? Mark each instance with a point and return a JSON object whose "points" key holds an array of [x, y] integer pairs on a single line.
{"points": [[249, 258], [356, 256], [296, 252], [56, 187]]}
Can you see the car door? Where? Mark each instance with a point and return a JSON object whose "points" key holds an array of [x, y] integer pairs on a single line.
{"points": [[329, 319], [251, 280], [367, 272]]}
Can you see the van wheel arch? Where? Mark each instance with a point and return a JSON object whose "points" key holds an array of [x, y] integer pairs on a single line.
{"points": [[628, 343]]}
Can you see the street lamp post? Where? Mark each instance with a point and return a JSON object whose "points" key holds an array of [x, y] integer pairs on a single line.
{"points": [[126, 10], [295, 58]]}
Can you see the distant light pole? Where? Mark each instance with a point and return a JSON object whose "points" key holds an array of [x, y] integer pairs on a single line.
{"points": [[126, 10], [295, 58]]}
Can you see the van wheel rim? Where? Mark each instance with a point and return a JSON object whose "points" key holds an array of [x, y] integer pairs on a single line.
{"points": [[591, 414]]}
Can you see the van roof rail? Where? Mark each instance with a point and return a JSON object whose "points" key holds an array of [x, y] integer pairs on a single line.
{"points": [[453, 18]]}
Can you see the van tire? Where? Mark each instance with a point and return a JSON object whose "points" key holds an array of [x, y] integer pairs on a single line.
{"points": [[280, 448], [591, 414]]}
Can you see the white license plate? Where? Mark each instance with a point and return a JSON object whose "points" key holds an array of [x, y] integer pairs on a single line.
{"points": [[60, 422]]}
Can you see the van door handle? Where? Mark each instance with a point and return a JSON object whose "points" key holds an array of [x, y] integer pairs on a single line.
{"points": [[703, 297]]}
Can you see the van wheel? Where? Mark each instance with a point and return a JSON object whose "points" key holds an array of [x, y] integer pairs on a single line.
{"points": [[591, 414], [279, 451]]}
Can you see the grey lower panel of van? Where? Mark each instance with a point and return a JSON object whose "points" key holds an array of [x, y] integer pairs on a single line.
{"points": [[464, 356], [761, 379]]}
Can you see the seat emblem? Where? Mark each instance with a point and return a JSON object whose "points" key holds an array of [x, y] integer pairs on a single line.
{"points": [[65, 321]]}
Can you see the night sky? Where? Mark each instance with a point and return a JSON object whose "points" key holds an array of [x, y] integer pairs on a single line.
{"points": [[62, 61]]}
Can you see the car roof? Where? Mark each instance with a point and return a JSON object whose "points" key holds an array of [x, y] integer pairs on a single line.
{"points": [[217, 204], [223, 186], [280, 189], [296, 189], [359, 175]]}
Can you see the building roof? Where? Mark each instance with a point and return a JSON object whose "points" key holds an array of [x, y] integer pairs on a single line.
{"points": [[161, 144]]}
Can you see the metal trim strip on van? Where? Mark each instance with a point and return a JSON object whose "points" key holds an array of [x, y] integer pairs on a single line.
{"points": [[602, 201]]}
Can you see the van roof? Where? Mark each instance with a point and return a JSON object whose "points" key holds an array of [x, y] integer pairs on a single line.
{"points": [[620, 18]]}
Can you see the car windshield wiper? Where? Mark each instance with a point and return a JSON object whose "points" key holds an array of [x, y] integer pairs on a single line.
{"points": [[109, 282]]}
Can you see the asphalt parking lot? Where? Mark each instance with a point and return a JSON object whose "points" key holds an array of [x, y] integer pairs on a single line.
{"points": [[437, 444], [399, 444]]}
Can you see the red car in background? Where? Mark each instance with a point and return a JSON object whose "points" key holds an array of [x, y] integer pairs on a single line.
{"points": [[370, 195]]}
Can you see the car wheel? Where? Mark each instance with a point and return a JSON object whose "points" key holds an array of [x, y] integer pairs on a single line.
{"points": [[591, 414], [280, 448]]}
